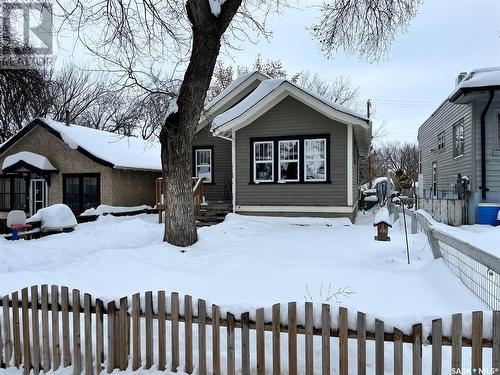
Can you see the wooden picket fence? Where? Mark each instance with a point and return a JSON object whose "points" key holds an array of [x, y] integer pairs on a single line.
{"points": [[55, 340]]}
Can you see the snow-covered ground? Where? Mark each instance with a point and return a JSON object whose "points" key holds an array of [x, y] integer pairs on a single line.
{"points": [[249, 262], [485, 237], [245, 261]]}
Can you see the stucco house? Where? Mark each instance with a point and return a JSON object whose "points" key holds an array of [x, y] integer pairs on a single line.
{"points": [[50, 162], [281, 150], [460, 148]]}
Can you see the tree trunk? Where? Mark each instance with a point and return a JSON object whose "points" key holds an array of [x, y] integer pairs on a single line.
{"points": [[178, 131]]}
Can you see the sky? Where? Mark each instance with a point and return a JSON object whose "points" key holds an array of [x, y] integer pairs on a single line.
{"points": [[445, 38]]}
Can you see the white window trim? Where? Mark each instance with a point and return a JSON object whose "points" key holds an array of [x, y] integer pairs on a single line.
{"points": [[308, 160], [255, 162], [197, 165], [288, 161]]}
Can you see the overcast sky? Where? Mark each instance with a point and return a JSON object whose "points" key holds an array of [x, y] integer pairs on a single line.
{"points": [[446, 37]]}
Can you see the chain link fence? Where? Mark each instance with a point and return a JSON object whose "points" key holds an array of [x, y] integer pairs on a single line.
{"points": [[476, 268]]}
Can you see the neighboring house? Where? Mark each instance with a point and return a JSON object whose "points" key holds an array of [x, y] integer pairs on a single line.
{"points": [[50, 162], [460, 147], [281, 149]]}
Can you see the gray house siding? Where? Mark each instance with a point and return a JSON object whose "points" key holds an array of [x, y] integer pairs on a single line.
{"points": [[291, 117], [492, 146], [220, 188], [448, 166]]}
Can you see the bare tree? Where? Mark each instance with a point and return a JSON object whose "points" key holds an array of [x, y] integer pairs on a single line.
{"points": [[363, 27], [24, 94], [191, 32], [77, 92], [399, 159], [223, 76], [340, 89]]}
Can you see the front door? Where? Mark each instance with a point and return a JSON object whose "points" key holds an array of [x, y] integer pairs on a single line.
{"points": [[38, 195]]}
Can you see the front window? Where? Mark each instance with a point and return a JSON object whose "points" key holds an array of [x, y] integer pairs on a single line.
{"points": [[5, 193], [441, 141], [13, 193], [263, 161], [203, 164], [315, 159], [289, 160], [458, 138], [81, 191]]}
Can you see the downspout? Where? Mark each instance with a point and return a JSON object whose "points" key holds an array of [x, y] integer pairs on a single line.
{"points": [[483, 188]]}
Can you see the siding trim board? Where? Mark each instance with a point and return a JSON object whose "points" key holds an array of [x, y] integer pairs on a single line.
{"points": [[350, 147], [312, 209], [300, 138]]}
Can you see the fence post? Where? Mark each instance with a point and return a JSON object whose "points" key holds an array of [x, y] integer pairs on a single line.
{"points": [[6, 331], [414, 223], [433, 242]]}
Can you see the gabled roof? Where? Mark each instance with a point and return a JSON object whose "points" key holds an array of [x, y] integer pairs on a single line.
{"points": [[477, 80], [271, 92], [231, 95], [109, 149]]}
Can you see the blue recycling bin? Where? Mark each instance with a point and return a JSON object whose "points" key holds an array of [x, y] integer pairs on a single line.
{"points": [[487, 213]]}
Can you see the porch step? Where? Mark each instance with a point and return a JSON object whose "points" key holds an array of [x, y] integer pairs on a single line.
{"points": [[213, 213]]}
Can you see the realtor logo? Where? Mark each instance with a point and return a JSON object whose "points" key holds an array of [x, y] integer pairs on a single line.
{"points": [[26, 34]]}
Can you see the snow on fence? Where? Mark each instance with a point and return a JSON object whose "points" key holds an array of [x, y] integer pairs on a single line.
{"points": [[476, 268], [49, 329]]}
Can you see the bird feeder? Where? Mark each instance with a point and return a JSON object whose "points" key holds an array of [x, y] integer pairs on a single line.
{"points": [[382, 231]]}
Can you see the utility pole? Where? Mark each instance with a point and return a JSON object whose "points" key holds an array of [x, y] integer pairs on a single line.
{"points": [[370, 178]]}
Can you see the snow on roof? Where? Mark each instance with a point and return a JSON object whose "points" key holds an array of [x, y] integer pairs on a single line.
{"points": [[382, 216], [265, 89], [479, 78], [36, 160], [121, 151], [230, 88]]}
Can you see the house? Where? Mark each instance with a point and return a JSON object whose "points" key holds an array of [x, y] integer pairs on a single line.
{"points": [[278, 149], [50, 162], [460, 149], [263, 147]]}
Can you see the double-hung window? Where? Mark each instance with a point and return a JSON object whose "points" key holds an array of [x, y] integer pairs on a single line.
{"points": [[263, 153], [289, 160], [315, 160], [458, 138], [441, 140], [203, 164]]}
